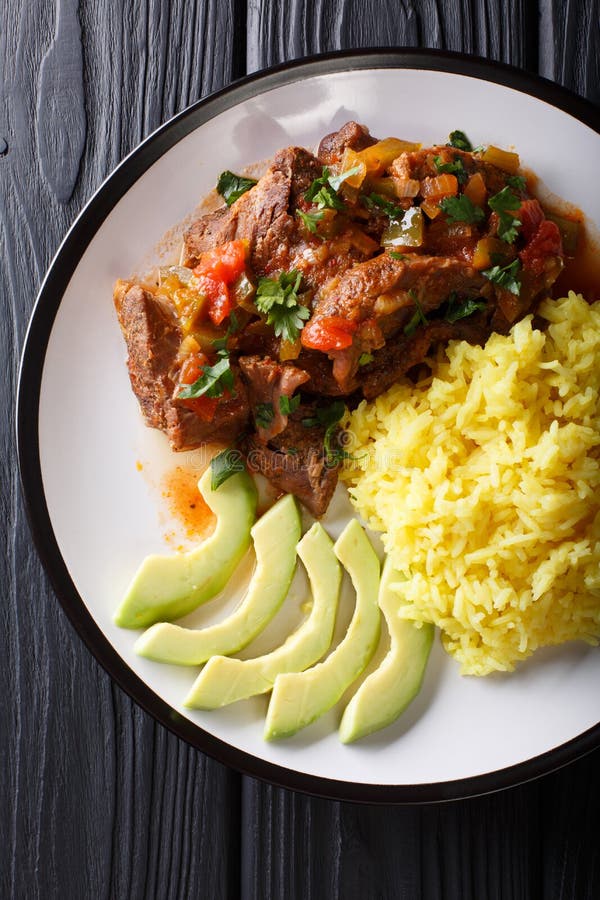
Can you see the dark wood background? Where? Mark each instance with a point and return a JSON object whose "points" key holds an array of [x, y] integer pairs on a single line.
{"points": [[96, 799]]}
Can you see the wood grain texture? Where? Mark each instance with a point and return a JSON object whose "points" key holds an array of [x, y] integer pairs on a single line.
{"points": [[495, 29], [96, 799]]}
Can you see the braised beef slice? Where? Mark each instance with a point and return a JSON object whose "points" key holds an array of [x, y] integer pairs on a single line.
{"points": [[153, 338], [401, 354], [352, 135], [295, 462], [264, 215], [268, 381]]}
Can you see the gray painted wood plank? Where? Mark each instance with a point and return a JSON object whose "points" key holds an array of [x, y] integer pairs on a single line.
{"points": [[97, 799], [569, 44]]}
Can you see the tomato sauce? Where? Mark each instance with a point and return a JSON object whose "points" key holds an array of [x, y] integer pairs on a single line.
{"points": [[179, 488]]}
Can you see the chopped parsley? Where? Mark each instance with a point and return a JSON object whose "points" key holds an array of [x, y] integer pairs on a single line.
{"points": [[395, 255], [505, 203], [213, 381], [418, 317], [264, 414], [518, 182], [224, 465], [324, 190], [456, 167], [220, 344], [326, 415], [376, 201], [460, 309], [231, 186], [277, 299], [310, 220], [506, 276], [365, 358], [288, 405], [460, 141], [461, 209]]}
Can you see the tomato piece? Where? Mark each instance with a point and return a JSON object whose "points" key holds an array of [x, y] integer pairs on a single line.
{"points": [[225, 263], [217, 297], [192, 368], [545, 242], [531, 215], [328, 333]]}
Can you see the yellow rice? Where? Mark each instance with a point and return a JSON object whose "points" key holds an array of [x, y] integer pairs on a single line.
{"points": [[484, 480]]}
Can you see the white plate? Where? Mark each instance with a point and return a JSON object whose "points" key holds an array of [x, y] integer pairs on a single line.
{"points": [[94, 516]]}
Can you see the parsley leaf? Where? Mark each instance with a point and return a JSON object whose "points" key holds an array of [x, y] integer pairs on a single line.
{"points": [[264, 414], [506, 276], [418, 317], [220, 344], [518, 182], [504, 203], [212, 383], [336, 181], [456, 167], [376, 201], [326, 415], [323, 194], [461, 310], [460, 141], [288, 405], [231, 186], [365, 358], [395, 255], [461, 209], [310, 219], [223, 466], [277, 299]]}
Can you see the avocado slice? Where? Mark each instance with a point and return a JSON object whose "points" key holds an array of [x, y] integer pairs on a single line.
{"points": [[167, 587], [275, 536], [395, 683], [225, 680], [299, 698]]}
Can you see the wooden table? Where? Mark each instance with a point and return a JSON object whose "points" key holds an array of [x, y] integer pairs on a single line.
{"points": [[96, 799]]}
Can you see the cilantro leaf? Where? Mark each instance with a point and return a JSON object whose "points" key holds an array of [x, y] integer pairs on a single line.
{"points": [[264, 414], [213, 381], [504, 203], [310, 219], [231, 186], [418, 317], [224, 465], [376, 201], [456, 167], [461, 209], [220, 344], [460, 141], [365, 358], [288, 405], [518, 182], [326, 415], [461, 310], [395, 255], [506, 276], [277, 299], [323, 194], [336, 181]]}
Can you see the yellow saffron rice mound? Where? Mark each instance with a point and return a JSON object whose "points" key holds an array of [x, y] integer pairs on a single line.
{"points": [[484, 479]]}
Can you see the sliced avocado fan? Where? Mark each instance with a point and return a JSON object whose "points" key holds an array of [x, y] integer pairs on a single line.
{"points": [[168, 587], [299, 698], [395, 683], [225, 680], [275, 536]]}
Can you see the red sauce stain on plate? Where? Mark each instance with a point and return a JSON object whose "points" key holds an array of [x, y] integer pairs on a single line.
{"points": [[179, 490]]}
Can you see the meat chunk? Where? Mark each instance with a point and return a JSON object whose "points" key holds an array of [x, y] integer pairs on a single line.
{"points": [[352, 135], [153, 338], [295, 461], [152, 335], [268, 381], [264, 215], [420, 164]]}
